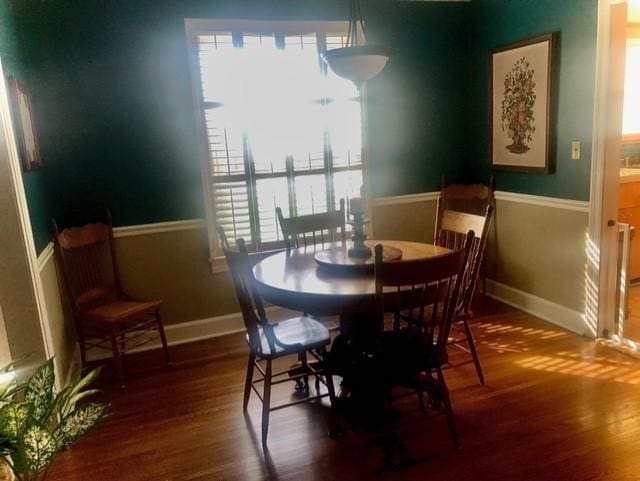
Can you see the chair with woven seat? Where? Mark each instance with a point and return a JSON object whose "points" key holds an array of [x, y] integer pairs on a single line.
{"points": [[105, 316], [412, 355], [269, 341], [451, 230]]}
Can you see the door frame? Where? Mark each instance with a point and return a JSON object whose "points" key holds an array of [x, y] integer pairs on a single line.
{"points": [[15, 170], [602, 238]]}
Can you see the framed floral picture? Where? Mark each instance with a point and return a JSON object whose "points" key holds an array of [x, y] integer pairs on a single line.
{"points": [[24, 124], [522, 100]]}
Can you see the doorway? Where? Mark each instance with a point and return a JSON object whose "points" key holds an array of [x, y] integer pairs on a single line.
{"points": [[615, 197], [23, 325]]}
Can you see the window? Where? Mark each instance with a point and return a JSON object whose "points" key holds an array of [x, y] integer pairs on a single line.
{"points": [[280, 128], [631, 109]]}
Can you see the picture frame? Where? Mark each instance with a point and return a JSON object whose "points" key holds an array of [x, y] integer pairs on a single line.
{"points": [[522, 105], [24, 124]]}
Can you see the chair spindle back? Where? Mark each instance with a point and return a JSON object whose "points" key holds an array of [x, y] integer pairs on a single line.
{"points": [[89, 265], [435, 283], [451, 232], [251, 306], [307, 230], [470, 198]]}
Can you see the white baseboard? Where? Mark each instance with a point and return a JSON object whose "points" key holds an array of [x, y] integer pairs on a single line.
{"points": [[198, 330], [201, 329], [549, 311]]}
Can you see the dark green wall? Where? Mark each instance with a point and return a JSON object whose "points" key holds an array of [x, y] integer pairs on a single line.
{"points": [[415, 106], [495, 23], [35, 182], [111, 85], [112, 96]]}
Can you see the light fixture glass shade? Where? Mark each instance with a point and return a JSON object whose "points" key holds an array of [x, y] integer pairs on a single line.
{"points": [[357, 63]]}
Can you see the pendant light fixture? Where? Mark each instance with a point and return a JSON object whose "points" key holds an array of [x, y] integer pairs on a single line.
{"points": [[357, 62]]}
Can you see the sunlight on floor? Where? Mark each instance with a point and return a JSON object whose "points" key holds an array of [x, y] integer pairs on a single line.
{"points": [[574, 364], [502, 345]]}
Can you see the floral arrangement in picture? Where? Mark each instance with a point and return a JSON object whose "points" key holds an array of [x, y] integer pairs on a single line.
{"points": [[518, 101]]}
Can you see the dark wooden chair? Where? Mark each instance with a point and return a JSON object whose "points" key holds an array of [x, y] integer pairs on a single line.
{"points": [[469, 198], [269, 341], [313, 229], [105, 316], [413, 355], [451, 230]]}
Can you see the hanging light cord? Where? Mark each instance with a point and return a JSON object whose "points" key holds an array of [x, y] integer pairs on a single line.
{"points": [[355, 17]]}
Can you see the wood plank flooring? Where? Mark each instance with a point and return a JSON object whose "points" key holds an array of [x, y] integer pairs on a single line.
{"points": [[632, 323], [556, 407]]}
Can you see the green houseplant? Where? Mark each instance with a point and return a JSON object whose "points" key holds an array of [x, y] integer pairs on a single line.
{"points": [[37, 423]]}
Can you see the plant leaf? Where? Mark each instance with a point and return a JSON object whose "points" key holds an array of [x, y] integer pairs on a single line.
{"points": [[39, 447], [72, 394], [12, 419], [39, 390], [78, 423]]}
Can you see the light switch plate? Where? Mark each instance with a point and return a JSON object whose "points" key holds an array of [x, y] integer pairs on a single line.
{"points": [[575, 150]]}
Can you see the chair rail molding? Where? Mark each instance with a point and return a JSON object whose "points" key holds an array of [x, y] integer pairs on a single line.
{"points": [[135, 230], [540, 200], [405, 199], [543, 201], [158, 228]]}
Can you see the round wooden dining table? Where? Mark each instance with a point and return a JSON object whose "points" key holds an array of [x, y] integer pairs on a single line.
{"points": [[294, 280]]}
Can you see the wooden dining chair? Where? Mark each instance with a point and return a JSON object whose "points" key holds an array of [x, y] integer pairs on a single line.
{"points": [[313, 229], [269, 341], [469, 198], [472, 199], [451, 230], [412, 355], [106, 317]]}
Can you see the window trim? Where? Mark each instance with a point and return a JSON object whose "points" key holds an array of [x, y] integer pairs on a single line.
{"points": [[196, 27]]}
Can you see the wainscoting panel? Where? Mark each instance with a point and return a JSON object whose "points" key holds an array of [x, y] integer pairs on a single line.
{"points": [[536, 262]]}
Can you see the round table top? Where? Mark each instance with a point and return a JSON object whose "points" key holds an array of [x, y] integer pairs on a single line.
{"points": [[293, 279], [339, 258]]}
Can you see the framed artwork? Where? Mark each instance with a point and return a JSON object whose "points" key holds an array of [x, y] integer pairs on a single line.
{"points": [[522, 103], [24, 124]]}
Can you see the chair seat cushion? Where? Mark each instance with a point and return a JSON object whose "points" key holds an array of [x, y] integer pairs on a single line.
{"points": [[300, 332], [121, 311]]}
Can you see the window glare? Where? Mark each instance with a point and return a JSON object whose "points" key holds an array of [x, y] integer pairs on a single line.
{"points": [[282, 129], [631, 112]]}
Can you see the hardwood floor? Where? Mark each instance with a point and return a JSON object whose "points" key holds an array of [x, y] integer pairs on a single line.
{"points": [[556, 407], [632, 323]]}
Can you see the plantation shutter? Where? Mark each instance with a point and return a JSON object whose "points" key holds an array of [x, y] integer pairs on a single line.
{"points": [[281, 130]]}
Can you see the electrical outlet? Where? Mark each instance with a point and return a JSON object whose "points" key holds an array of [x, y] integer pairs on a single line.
{"points": [[575, 150]]}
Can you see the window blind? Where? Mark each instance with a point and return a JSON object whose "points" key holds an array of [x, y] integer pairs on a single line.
{"points": [[281, 129]]}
